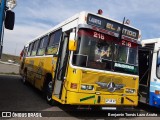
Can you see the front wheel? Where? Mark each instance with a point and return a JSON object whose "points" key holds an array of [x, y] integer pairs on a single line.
{"points": [[48, 93]]}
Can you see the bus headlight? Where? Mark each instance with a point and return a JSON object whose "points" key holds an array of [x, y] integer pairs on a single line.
{"points": [[128, 90], [83, 87], [87, 87]]}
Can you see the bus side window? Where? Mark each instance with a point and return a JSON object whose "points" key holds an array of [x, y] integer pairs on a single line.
{"points": [[35, 46], [29, 49], [54, 40], [25, 52], [158, 65], [42, 46]]}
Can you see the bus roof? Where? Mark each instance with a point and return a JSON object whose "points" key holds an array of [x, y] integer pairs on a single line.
{"points": [[76, 16], [150, 41], [56, 27]]}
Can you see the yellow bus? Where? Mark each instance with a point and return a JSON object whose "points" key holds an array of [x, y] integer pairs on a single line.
{"points": [[86, 60]]}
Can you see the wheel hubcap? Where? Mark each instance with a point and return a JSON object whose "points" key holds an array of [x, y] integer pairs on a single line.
{"points": [[24, 79], [49, 91]]}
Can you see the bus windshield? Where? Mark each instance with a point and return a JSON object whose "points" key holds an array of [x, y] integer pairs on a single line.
{"points": [[125, 55], [99, 51]]}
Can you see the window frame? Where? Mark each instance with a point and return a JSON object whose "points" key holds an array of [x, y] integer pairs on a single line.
{"points": [[40, 40], [25, 51], [56, 45], [30, 49], [120, 54], [157, 65], [35, 50]]}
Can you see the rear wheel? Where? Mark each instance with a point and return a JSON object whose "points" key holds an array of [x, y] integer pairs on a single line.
{"points": [[24, 78]]}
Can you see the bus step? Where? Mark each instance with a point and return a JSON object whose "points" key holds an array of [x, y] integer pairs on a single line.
{"points": [[142, 99], [144, 93]]}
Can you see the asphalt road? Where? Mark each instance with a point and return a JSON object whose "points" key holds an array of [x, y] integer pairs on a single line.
{"points": [[14, 96]]}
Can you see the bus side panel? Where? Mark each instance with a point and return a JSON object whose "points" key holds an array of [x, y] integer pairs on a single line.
{"points": [[44, 66], [38, 76], [30, 67], [37, 68], [154, 98]]}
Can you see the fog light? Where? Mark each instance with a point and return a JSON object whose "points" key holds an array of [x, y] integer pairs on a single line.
{"points": [[128, 90], [83, 87], [90, 87], [87, 87], [73, 85]]}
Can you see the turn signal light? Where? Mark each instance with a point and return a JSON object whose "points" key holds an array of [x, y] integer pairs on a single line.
{"points": [[157, 92], [73, 85], [128, 90]]}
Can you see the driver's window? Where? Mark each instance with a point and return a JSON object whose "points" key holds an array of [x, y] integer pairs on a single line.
{"points": [[103, 51], [158, 64]]}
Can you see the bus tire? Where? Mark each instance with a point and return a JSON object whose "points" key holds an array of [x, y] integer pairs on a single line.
{"points": [[24, 77], [48, 90]]}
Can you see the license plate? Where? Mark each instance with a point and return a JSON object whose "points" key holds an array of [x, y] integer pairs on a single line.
{"points": [[110, 101]]}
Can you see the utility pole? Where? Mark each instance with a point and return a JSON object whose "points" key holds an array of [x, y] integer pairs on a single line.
{"points": [[6, 18], [2, 13]]}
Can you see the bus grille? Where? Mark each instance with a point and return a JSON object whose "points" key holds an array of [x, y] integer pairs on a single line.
{"points": [[92, 78], [99, 89]]}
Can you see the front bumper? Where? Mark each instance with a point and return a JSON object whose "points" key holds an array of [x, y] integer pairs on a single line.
{"points": [[75, 98]]}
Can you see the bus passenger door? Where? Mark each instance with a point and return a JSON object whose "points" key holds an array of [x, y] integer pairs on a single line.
{"points": [[145, 62], [61, 67]]}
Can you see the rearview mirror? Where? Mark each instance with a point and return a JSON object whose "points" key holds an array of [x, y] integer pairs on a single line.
{"points": [[9, 20], [72, 41]]}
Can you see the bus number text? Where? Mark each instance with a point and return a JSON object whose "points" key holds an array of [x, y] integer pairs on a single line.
{"points": [[128, 44], [98, 35]]}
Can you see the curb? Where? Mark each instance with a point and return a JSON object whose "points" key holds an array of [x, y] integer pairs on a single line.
{"points": [[10, 74], [7, 63]]}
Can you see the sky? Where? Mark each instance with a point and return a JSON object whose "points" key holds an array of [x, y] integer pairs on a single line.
{"points": [[34, 17]]}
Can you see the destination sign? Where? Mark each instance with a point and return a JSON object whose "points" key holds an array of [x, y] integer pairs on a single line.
{"points": [[112, 26]]}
